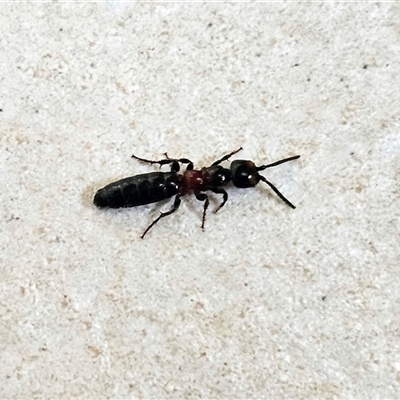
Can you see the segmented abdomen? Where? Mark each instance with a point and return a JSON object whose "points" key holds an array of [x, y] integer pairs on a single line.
{"points": [[138, 190]]}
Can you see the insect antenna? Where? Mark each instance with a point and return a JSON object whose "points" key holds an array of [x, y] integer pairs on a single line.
{"points": [[279, 194], [274, 164]]}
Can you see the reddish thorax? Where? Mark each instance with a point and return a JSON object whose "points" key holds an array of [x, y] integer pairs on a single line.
{"points": [[195, 180]]}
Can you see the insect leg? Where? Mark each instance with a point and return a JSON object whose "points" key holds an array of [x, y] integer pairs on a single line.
{"points": [[223, 192], [224, 158], [182, 161], [280, 195], [174, 161], [203, 197], [176, 205], [160, 162]]}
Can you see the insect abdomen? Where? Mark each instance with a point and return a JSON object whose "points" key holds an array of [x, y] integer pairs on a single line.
{"points": [[138, 190]]}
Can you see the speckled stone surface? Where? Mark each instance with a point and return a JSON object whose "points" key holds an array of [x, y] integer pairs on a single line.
{"points": [[268, 302]]}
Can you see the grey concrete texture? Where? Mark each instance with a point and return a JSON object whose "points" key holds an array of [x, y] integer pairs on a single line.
{"points": [[267, 302]]}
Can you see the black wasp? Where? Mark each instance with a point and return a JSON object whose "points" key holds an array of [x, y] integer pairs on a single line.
{"points": [[155, 186]]}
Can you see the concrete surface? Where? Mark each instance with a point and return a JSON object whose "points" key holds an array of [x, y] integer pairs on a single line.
{"points": [[268, 302]]}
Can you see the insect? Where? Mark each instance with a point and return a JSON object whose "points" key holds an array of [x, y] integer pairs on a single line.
{"points": [[156, 186]]}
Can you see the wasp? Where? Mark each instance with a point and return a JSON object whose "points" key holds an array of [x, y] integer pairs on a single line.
{"points": [[152, 187]]}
